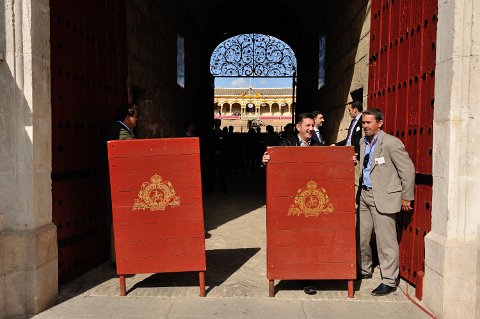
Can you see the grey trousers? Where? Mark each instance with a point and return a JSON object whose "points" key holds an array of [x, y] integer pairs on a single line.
{"points": [[386, 238]]}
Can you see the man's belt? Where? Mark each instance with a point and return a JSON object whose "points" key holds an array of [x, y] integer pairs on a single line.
{"points": [[366, 188]]}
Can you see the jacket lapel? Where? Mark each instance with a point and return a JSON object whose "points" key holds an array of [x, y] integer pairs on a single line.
{"points": [[314, 136]]}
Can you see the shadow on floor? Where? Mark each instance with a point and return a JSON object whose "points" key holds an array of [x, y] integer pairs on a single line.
{"points": [[92, 278], [221, 264]]}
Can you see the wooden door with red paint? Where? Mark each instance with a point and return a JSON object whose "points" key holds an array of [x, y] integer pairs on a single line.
{"points": [[89, 82], [401, 84]]}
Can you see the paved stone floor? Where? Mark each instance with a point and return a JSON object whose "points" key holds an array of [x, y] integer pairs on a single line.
{"points": [[236, 281], [236, 260]]}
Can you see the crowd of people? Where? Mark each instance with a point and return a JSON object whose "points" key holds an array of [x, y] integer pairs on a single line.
{"points": [[226, 152]]}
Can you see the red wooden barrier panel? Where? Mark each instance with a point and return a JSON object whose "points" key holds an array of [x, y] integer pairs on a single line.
{"points": [[311, 214], [157, 207]]}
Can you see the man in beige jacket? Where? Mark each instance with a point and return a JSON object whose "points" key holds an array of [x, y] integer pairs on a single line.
{"points": [[387, 187]]}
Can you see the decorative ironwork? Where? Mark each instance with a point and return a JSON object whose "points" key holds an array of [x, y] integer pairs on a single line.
{"points": [[253, 55]]}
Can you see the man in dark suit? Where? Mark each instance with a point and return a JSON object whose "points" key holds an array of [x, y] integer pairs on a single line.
{"points": [[354, 135], [217, 157], [318, 123], [388, 182], [305, 128], [355, 129]]}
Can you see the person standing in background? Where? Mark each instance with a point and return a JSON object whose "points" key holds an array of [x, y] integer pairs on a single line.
{"points": [[189, 129], [121, 129], [353, 138], [318, 119], [125, 122]]}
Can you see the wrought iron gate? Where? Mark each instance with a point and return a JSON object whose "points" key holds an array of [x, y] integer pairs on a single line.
{"points": [[401, 84], [88, 70]]}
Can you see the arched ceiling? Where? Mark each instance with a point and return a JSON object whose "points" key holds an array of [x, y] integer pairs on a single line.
{"points": [[282, 18]]}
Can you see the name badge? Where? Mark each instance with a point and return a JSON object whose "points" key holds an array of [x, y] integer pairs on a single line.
{"points": [[380, 160]]}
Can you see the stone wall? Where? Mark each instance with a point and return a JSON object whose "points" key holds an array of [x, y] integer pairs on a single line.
{"points": [[28, 248], [152, 29], [347, 29], [452, 248]]}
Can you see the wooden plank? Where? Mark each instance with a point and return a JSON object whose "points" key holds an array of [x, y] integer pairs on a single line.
{"points": [[134, 181], [161, 264], [311, 237], [311, 271], [155, 164], [281, 204], [154, 147], [188, 197], [285, 154], [319, 170], [335, 221], [311, 255], [125, 216], [161, 247], [190, 229]]}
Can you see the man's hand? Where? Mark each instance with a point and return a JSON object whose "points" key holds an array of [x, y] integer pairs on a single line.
{"points": [[265, 158], [406, 205], [355, 161]]}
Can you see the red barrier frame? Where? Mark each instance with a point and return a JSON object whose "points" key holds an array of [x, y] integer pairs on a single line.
{"points": [[311, 215], [157, 207]]}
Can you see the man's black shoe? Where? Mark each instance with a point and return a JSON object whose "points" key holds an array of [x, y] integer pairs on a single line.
{"points": [[310, 290], [383, 290]]}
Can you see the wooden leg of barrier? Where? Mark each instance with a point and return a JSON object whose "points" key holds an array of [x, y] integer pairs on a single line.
{"points": [[201, 277], [123, 288], [351, 291], [419, 287], [271, 288]]}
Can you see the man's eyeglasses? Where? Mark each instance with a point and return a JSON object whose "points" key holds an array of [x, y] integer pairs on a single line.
{"points": [[366, 159]]}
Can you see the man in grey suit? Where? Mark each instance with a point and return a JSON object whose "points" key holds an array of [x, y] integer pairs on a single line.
{"points": [[388, 181]]}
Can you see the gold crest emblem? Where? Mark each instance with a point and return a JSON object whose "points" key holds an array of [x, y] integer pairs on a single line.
{"points": [[156, 195], [311, 201]]}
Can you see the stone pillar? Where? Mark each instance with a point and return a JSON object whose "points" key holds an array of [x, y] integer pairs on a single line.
{"points": [[452, 248], [28, 245]]}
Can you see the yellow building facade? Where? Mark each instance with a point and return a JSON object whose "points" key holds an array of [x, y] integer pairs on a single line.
{"points": [[243, 108]]}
